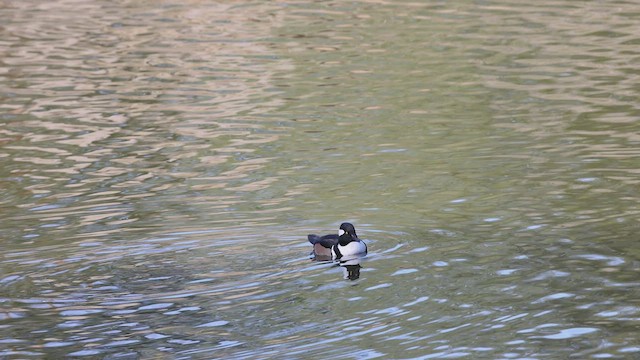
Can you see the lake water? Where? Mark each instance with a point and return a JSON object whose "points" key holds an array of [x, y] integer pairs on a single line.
{"points": [[163, 162]]}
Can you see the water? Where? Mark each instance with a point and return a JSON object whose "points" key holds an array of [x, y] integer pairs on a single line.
{"points": [[162, 164]]}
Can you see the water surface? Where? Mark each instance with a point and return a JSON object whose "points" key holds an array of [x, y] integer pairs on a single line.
{"points": [[163, 163]]}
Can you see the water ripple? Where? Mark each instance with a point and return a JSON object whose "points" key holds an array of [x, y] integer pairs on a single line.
{"points": [[162, 164]]}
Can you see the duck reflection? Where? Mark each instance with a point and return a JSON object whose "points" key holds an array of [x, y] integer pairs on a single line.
{"points": [[351, 268]]}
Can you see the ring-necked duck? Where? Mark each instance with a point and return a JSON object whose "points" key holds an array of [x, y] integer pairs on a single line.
{"points": [[345, 244]]}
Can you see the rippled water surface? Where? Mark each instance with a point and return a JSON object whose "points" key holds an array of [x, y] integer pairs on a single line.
{"points": [[163, 162]]}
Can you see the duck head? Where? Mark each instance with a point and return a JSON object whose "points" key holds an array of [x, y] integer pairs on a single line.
{"points": [[347, 234]]}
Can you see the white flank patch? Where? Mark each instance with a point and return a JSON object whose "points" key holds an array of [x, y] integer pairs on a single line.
{"points": [[353, 248]]}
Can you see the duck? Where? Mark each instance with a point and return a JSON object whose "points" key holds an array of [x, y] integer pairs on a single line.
{"points": [[344, 245]]}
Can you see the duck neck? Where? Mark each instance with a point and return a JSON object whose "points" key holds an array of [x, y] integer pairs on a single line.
{"points": [[345, 239]]}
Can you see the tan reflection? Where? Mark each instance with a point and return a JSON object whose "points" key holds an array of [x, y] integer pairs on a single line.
{"points": [[255, 186], [118, 107]]}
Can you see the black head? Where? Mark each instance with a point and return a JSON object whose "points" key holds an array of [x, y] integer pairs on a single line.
{"points": [[347, 234]]}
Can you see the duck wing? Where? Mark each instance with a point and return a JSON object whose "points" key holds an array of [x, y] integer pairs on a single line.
{"points": [[326, 241]]}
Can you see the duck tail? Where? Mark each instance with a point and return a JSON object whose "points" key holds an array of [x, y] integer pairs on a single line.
{"points": [[313, 238]]}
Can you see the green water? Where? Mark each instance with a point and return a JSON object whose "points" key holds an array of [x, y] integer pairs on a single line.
{"points": [[162, 164]]}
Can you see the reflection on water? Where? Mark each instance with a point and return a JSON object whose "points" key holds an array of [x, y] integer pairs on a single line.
{"points": [[114, 114], [162, 163], [351, 268]]}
